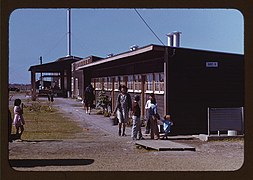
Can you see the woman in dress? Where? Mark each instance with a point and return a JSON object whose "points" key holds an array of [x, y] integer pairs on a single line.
{"points": [[123, 106], [89, 97]]}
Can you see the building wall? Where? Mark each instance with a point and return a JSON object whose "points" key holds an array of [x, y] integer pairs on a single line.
{"points": [[196, 80], [77, 84], [193, 87]]}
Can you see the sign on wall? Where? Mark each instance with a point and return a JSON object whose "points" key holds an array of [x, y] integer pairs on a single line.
{"points": [[212, 64]]}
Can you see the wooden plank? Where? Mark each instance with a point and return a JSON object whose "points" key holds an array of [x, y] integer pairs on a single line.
{"points": [[164, 145]]}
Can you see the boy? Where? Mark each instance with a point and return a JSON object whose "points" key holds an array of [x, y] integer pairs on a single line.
{"points": [[167, 123]]}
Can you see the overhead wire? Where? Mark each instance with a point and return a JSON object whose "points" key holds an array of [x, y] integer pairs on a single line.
{"points": [[148, 26], [56, 44]]}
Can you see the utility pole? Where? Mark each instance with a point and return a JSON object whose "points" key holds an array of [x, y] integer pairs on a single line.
{"points": [[69, 32], [41, 76]]}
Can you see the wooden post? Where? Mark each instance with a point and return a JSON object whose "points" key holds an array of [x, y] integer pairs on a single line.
{"points": [[143, 95], [113, 94], [33, 90], [166, 82], [68, 77], [153, 82], [62, 83]]}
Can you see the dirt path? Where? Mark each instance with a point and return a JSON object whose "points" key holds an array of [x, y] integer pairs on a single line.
{"points": [[99, 148]]}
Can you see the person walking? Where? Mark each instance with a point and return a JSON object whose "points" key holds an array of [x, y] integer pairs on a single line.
{"points": [[50, 97], [147, 107], [18, 120], [136, 114], [89, 97], [122, 108], [154, 116]]}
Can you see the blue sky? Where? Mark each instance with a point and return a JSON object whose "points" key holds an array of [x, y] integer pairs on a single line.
{"points": [[43, 32]]}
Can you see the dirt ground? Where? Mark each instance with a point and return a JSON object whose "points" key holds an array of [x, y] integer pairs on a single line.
{"points": [[99, 148]]}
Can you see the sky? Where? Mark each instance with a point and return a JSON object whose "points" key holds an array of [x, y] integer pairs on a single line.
{"points": [[99, 32]]}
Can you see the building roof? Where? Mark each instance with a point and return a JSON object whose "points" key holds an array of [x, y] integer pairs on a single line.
{"points": [[56, 66], [130, 53], [146, 51]]}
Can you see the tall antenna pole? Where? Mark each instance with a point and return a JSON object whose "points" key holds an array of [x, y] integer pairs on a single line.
{"points": [[41, 76], [69, 32]]}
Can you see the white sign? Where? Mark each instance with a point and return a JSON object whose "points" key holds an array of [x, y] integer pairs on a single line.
{"points": [[212, 64]]}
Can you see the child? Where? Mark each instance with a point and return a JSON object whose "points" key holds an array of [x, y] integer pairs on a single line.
{"points": [[167, 123], [136, 114], [18, 120], [154, 116]]}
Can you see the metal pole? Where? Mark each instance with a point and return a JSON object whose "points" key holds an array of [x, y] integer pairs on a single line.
{"points": [[208, 121], [69, 32], [242, 113], [33, 85]]}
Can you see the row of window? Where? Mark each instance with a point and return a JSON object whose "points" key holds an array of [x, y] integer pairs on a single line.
{"points": [[153, 82]]}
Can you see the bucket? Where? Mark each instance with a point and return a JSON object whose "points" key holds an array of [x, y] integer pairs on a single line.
{"points": [[68, 94], [232, 133], [114, 120]]}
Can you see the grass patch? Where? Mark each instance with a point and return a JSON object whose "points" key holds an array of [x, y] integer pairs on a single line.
{"points": [[41, 123]]}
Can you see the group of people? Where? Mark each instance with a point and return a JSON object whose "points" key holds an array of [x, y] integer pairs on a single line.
{"points": [[124, 105]]}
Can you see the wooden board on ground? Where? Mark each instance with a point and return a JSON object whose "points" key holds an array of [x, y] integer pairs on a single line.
{"points": [[164, 145]]}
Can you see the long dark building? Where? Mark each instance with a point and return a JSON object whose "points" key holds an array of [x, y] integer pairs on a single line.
{"points": [[186, 82]]}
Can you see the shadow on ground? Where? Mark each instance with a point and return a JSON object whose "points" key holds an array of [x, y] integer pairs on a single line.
{"points": [[49, 162]]}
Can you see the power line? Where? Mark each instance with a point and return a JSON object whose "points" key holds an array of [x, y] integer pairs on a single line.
{"points": [[56, 44], [148, 26]]}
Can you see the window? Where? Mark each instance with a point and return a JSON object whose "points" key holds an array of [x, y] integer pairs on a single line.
{"points": [[116, 84], [72, 84], [119, 80], [72, 67], [105, 80], [159, 82], [149, 83], [93, 83], [130, 83], [137, 83], [109, 85], [98, 83], [76, 87]]}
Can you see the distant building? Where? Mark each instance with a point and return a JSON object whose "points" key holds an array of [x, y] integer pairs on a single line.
{"points": [[60, 73], [20, 87]]}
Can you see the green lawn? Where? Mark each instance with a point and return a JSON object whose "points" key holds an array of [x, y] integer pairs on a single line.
{"points": [[41, 123]]}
